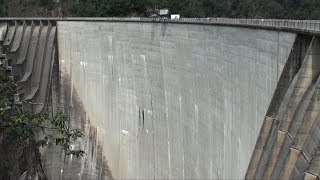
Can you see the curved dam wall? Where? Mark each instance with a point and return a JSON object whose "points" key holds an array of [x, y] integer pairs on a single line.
{"points": [[171, 101]]}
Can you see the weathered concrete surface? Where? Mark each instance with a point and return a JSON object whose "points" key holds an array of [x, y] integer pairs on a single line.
{"points": [[29, 51], [26, 49], [3, 28], [172, 100], [289, 147]]}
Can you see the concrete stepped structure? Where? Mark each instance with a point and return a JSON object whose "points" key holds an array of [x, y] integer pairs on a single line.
{"points": [[293, 141], [29, 48], [188, 99]]}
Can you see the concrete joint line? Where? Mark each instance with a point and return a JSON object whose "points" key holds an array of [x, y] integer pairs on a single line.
{"points": [[303, 154], [286, 133]]}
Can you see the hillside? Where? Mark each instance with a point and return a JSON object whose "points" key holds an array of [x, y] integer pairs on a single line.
{"points": [[281, 9]]}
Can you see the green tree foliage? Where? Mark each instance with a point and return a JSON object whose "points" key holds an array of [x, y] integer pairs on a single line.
{"points": [[19, 129], [291, 9], [284, 9], [96, 8], [20, 126], [7, 89], [3, 8], [29, 8]]}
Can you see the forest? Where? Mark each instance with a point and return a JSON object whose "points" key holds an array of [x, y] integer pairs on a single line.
{"points": [[281, 9]]}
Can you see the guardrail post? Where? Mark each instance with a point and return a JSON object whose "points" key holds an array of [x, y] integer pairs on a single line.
{"points": [[300, 24], [309, 25]]}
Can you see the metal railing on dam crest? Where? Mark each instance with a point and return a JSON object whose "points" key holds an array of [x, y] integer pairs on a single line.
{"points": [[297, 26]]}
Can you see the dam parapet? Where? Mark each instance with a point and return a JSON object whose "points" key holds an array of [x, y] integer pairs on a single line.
{"points": [[311, 27]]}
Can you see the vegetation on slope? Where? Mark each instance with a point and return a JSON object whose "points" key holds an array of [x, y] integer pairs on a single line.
{"points": [[27, 8], [288, 9]]}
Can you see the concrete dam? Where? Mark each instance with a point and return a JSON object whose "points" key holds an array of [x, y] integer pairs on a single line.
{"points": [[173, 100]]}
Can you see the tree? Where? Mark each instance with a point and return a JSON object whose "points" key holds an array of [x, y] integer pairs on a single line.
{"points": [[3, 8], [290, 9], [110, 7], [19, 134]]}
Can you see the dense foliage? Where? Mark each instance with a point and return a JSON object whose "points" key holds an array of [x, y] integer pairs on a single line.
{"points": [[20, 126], [27, 8], [22, 133], [290, 9]]}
